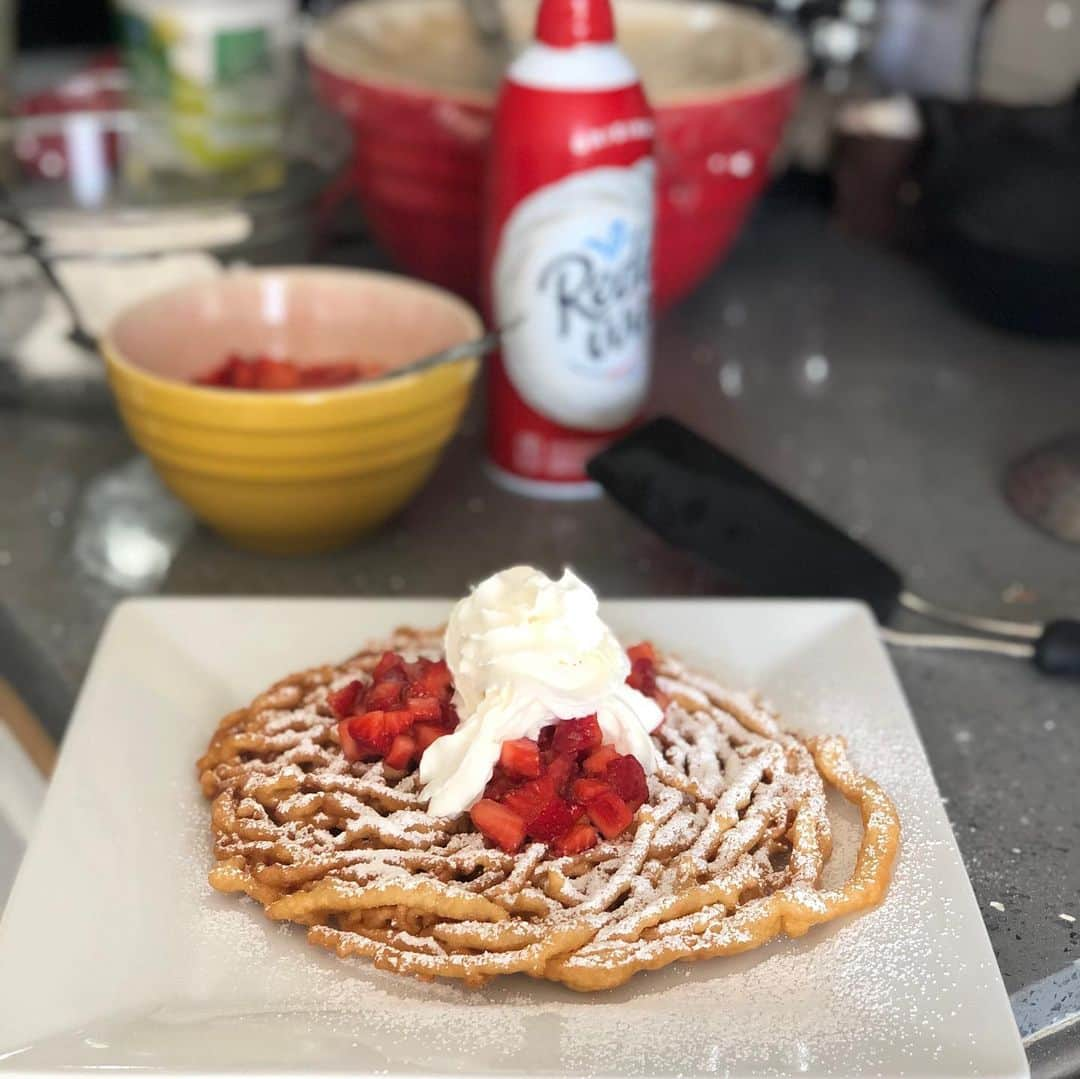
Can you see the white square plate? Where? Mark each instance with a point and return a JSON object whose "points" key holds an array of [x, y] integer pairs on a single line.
{"points": [[115, 953]]}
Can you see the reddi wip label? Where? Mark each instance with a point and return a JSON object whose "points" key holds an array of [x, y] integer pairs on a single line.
{"points": [[574, 265]]}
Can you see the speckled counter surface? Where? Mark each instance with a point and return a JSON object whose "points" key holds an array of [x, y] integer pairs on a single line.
{"points": [[838, 370]]}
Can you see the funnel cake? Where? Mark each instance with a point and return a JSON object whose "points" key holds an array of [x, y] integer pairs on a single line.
{"points": [[725, 854]]}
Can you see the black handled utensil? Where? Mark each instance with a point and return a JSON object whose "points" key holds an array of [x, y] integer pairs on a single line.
{"points": [[701, 499]]}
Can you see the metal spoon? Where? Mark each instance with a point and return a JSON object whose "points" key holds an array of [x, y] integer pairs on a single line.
{"points": [[34, 248], [479, 348]]}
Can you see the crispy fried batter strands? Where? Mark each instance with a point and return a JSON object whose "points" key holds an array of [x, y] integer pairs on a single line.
{"points": [[727, 854]]}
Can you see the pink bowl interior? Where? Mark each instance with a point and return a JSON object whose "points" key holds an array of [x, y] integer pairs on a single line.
{"points": [[417, 89], [685, 50], [307, 316]]}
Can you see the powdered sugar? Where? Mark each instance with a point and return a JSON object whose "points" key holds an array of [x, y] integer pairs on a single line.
{"points": [[832, 987], [910, 987]]}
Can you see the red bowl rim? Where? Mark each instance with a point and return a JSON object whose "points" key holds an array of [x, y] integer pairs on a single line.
{"points": [[786, 72]]}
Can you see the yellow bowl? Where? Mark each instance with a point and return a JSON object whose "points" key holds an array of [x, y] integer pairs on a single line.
{"points": [[299, 471]]}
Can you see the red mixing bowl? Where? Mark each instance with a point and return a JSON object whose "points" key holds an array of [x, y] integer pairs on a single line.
{"points": [[418, 89]]}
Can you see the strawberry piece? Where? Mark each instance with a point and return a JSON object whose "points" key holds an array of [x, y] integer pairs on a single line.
{"points": [[627, 780], [371, 732], [217, 376], [562, 771], [644, 650], [378, 729], [499, 786], [642, 676], [554, 820], [349, 745], [400, 719], [241, 373], [266, 373], [343, 701], [390, 668], [595, 764], [545, 737], [520, 757], [499, 824], [530, 798], [425, 708], [276, 374], [574, 736], [580, 838], [609, 813], [330, 374], [383, 696], [432, 680], [426, 733], [401, 753], [584, 789]]}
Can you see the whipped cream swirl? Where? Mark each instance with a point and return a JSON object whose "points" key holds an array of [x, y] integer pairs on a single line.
{"points": [[524, 651]]}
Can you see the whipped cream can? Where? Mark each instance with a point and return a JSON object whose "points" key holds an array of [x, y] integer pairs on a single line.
{"points": [[568, 246]]}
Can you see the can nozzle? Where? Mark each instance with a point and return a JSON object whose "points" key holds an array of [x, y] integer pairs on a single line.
{"points": [[565, 23]]}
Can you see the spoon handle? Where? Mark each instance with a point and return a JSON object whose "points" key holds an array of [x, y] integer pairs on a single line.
{"points": [[479, 347]]}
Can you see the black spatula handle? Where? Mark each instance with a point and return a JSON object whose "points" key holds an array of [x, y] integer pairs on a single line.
{"points": [[703, 500], [1057, 651]]}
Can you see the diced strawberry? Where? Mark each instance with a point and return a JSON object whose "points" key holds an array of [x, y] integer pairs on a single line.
{"points": [[370, 731], [425, 708], [584, 789], [349, 745], [545, 737], [642, 676], [595, 764], [627, 779], [400, 719], [528, 799], [554, 819], [500, 785], [432, 680], [330, 374], [520, 757], [426, 733], [378, 729], [217, 376], [562, 771], [391, 667], [401, 753], [609, 813], [241, 374], [644, 650], [499, 824], [276, 374], [343, 701], [574, 736], [580, 838], [384, 696], [450, 717]]}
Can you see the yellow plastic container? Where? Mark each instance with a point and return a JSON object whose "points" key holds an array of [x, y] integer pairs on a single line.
{"points": [[292, 472]]}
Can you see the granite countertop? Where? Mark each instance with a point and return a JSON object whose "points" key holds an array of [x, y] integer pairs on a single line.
{"points": [[837, 369]]}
